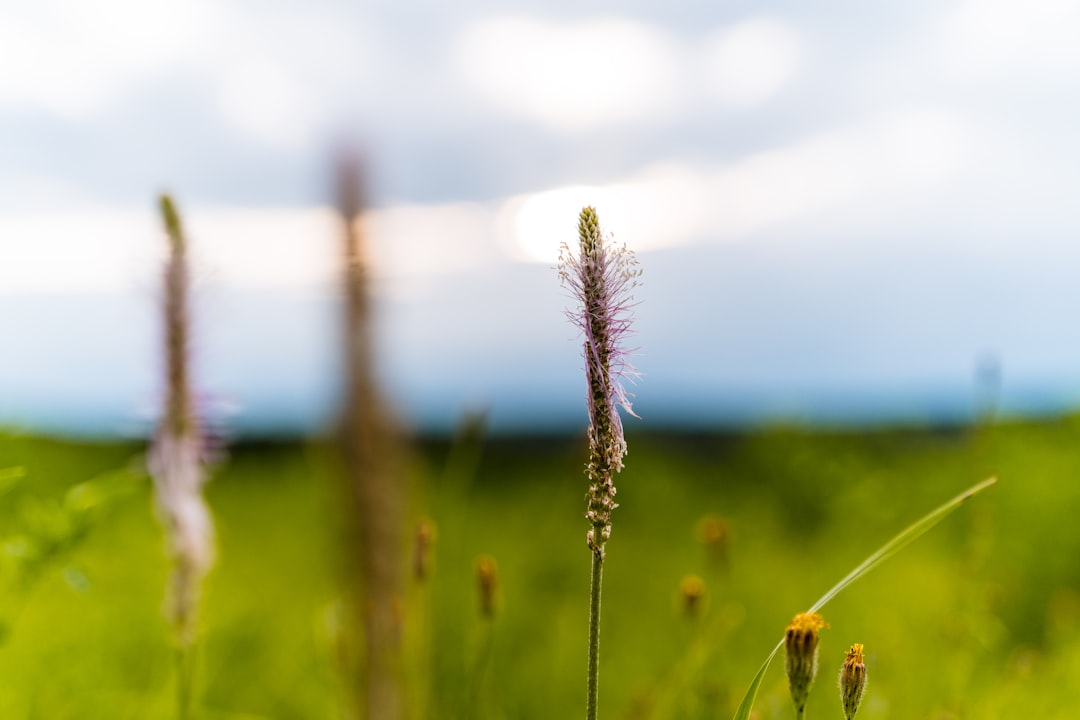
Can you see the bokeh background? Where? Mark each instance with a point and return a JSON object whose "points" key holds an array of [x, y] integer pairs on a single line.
{"points": [[857, 232], [844, 213]]}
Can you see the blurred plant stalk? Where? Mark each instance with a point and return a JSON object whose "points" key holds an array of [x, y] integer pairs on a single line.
{"points": [[482, 701], [374, 487], [176, 464]]}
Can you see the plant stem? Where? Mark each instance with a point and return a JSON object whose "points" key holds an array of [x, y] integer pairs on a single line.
{"points": [[184, 677], [480, 693], [594, 635]]}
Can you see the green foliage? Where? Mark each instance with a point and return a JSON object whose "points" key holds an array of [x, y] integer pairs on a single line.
{"points": [[886, 551], [980, 618], [42, 531]]}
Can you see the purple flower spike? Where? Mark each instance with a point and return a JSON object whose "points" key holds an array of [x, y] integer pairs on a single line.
{"points": [[176, 459], [602, 277]]}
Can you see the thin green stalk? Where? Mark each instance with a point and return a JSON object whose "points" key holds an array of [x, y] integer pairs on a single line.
{"points": [[480, 693], [184, 678], [594, 635]]}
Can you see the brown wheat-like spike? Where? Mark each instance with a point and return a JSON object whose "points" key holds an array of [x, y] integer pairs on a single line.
{"points": [[374, 486]]}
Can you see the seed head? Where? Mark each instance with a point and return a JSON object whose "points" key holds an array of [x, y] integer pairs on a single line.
{"points": [[487, 580], [601, 277], [177, 457], [852, 681], [692, 593], [801, 651], [714, 533], [422, 542]]}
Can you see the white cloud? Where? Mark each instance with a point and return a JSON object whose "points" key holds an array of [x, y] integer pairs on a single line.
{"points": [[604, 71], [889, 164], [1002, 39], [409, 241], [661, 206], [881, 168], [259, 248], [103, 249], [748, 63], [90, 250], [73, 58], [280, 77], [893, 161], [275, 76], [266, 102], [570, 75]]}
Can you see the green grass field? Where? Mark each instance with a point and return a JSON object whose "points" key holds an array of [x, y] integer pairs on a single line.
{"points": [[978, 619]]}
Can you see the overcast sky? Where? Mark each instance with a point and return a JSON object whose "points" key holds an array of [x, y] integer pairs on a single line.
{"points": [[842, 209]]}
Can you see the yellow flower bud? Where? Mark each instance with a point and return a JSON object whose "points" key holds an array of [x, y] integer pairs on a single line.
{"points": [[852, 681], [800, 648], [714, 534], [488, 585], [692, 593]]}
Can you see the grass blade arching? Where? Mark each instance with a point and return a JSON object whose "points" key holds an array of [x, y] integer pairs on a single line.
{"points": [[886, 551]]}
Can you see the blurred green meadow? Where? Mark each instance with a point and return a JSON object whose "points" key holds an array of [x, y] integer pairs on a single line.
{"points": [[978, 619]]}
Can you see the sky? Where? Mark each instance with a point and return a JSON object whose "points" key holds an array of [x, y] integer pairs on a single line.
{"points": [[844, 212]]}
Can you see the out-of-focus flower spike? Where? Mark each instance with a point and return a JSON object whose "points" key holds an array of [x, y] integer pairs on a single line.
{"points": [[176, 456], [487, 584]]}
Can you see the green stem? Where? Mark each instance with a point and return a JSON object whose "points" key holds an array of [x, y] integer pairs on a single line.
{"points": [[594, 636], [184, 676], [480, 693]]}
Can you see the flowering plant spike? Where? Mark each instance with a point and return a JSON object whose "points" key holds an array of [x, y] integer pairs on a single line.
{"points": [[602, 277], [176, 459], [176, 462]]}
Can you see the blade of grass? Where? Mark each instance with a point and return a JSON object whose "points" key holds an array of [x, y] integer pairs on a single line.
{"points": [[10, 477], [747, 704], [12, 473], [886, 551]]}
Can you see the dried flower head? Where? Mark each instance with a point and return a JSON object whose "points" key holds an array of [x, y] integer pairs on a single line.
{"points": [[692, 594], [714, 534], [601, 276], [852, 681], [487, 579], [422, 541], [801, 651]]}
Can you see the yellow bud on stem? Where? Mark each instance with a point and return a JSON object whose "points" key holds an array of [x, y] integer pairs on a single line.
{"points": [[852, 681], [800, 649]]}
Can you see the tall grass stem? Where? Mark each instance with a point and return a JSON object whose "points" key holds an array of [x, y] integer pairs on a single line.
{"points": [[374, 488], [184, 677], [594, 636]]}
